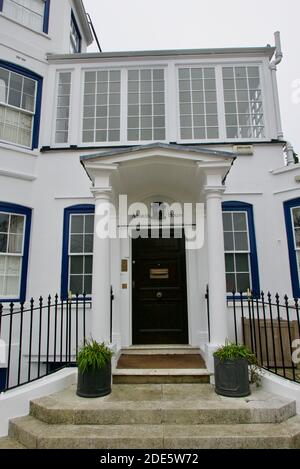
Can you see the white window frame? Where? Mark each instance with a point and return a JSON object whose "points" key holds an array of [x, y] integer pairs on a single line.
{"points": [[39, 31], [221, 100], [234, 252], [19, 109], [67, 143], [296, 248], [124, 104], [21, 255], [77, 254]]}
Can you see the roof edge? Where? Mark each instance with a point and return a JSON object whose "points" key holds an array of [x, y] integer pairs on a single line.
{"points": [[165, 146], [81, 12], [267, 51]]}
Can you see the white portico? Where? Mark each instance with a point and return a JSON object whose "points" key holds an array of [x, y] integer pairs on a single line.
{"points": [[168, 173]]}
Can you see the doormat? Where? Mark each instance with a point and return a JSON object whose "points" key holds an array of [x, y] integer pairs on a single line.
{"points": [[161, 361]]}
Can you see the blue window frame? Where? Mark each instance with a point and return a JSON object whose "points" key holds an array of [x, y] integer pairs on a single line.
{"points": [[15, 225], [77, 255], [240, 248], [292, 221], [34, 15], [3, 372], [20, 105], [75, 36]]}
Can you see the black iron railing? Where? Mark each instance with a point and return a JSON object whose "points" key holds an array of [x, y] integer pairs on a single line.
{"points": [[270, 327], [41, 337]]}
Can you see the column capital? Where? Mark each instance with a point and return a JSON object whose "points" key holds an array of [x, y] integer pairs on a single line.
{"points": [[214, 191], [103, 193]]}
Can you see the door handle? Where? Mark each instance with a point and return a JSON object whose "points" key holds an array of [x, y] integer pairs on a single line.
{"points": [[159, 295]]}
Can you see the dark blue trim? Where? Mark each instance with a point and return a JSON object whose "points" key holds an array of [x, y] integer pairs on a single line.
{"points": [[3, 372], [1, 5], [20, 210], [74, 209], [236, 206], [73, 19], [46, 17], [288, 205], [37, 117]]}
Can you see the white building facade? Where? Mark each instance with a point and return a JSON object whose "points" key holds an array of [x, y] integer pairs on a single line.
{"points": [[78, 130]]}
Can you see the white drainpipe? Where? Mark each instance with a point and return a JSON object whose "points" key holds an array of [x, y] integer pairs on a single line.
{"points": [[273, 68], [289, 150]]}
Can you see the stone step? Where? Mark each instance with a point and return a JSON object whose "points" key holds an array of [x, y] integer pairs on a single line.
{"points": [[160, 350], [157, 404], [33, 433], [10, 443], [159, 376]]}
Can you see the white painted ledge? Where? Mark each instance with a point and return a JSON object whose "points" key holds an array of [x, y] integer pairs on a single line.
{"points": [[15, 403], [283, 387]]}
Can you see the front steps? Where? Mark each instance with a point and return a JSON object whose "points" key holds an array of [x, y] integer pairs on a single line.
{"points": [[160, 376], [159, 416], [141, 375]]}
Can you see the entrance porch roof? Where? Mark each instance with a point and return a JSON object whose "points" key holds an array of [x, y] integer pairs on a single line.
{"points": [[174, 172]]}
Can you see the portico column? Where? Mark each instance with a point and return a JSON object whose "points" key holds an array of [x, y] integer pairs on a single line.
{"points": [[100, 323], [216, 270]]}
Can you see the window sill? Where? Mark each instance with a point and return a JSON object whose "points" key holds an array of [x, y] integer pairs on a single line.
{"points": [[40, 33], [15, 148]]}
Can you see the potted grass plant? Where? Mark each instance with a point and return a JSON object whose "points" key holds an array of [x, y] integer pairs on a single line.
{"points": [[94, 370], [235, 368]]}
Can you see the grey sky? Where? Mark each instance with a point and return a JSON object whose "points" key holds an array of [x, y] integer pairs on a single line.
{"points": [[185, 24]]}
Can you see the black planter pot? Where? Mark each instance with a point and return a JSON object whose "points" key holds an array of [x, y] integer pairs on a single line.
{"points": [[94, 383], [232, 377]]}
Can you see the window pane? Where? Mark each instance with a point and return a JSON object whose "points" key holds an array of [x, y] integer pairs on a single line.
{"points": [[15, 244], [228, 241], [239, 221], [102, 99], [243, 282], [89, 224], [243, 106], [149, 88], [198, 109], [297, 237], [76, 244], [227, 221], [296, 217], [242, 262], [11, 286], [13, 265], [3, 242], [241, 241], [87, 284], [230, 283], [88, 243], [4, 220], [229, 262], [76, 266], [88, 265], [76, 284], [77, 224]]}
